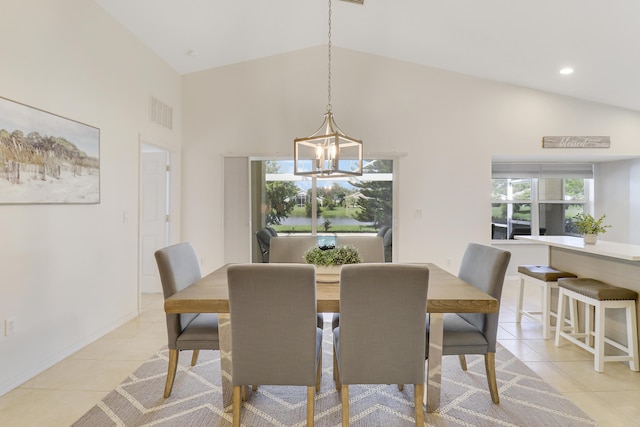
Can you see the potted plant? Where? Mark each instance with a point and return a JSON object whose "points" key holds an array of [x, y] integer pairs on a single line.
{"points": [[590, 227], [329, 260]]}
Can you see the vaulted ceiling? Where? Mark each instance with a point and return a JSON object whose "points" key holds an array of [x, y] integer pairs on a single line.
{"points": [[519, 42]]}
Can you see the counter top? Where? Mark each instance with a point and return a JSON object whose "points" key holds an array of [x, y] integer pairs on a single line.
{"points": [[602, 247]]}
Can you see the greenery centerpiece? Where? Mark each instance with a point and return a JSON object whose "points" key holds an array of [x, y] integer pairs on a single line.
{"points": [[590, 227], [329, 260]]}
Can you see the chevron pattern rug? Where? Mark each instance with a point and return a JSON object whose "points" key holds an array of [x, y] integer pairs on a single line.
{"points": [[196, 399]]}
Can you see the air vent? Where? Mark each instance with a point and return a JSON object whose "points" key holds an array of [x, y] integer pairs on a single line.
{"points": [[160, 113]]}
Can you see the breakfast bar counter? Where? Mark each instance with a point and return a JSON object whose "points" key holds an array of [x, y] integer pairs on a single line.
{"points": [[611, 262], [622, 251]]}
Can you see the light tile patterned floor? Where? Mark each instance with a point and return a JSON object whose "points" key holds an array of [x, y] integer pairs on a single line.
{"points": [[63, 393], [610, 398]]}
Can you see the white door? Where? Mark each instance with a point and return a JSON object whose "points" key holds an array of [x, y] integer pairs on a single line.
{"points": [[153, 216]]}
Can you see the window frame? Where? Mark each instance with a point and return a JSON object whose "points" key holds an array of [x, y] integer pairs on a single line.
{"points": [[536, 172], [256, 217]]}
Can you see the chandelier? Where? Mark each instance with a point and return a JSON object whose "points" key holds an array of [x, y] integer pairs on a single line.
{"points": [[328, 152]]}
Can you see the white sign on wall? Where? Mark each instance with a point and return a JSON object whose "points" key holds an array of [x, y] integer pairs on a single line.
{"points": [[576, 141]]}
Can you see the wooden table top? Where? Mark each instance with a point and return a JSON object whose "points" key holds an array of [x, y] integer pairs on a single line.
{"points": [[447, 294]]}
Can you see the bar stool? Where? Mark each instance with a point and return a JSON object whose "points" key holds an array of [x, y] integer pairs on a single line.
{"points": [[547, 279], [599, 295]]}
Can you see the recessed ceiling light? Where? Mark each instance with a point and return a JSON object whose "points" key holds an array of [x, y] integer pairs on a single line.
{"points": [[566, 70], [193, 53]]}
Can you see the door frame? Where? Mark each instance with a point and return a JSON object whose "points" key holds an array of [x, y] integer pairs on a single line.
{"points": [[148, 146]]}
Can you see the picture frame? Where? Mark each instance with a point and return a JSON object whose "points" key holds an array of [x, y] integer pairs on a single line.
{"points": [[46, 158]]}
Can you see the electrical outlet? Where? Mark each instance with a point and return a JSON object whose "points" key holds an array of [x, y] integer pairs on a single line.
{"points": [[10, 327]]}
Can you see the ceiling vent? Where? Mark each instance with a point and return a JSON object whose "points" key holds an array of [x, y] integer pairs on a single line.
{"points": [[160, 113]]}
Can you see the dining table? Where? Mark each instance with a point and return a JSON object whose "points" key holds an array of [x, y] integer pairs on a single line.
{"points": [[447, 293]]}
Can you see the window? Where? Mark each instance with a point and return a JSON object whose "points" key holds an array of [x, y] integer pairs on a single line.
{"points": [[560, 200], [286, 202], [538, 199], [511, 207]]}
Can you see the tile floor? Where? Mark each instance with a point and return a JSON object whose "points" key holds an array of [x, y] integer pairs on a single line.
{"points": [[61, 394]]}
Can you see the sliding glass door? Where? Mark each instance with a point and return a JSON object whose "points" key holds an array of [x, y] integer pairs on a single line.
{"points": [[292, 204]]}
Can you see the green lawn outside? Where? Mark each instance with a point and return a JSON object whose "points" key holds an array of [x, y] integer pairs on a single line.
{"points": [[332, 229], [573, 210], [298, 211], [337, 212]]}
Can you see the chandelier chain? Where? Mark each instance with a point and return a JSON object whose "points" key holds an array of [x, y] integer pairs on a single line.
{"points": [[329, 63]]}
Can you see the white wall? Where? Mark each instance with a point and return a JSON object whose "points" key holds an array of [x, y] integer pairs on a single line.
{"points": [[634, 203], [612, 198], [617, 195], [69, 272], [450, 126]]}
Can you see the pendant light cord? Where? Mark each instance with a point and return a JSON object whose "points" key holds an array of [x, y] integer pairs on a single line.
{"points": [[329, 66]]}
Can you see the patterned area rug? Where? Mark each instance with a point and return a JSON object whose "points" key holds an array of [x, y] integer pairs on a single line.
{"points": [[196, 400]]}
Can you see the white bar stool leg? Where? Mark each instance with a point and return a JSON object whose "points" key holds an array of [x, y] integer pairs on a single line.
{"points": [[632, 337], [560, 313], [589, 312], [520, 300], [573, 314], [598, 362], [575, 326], [546, 312]]}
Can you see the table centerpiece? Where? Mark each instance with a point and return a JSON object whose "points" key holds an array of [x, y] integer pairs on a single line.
{"points": [[329, 260]]}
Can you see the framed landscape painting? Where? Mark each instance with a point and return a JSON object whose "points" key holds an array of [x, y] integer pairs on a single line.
{"points": [[46, 158]]}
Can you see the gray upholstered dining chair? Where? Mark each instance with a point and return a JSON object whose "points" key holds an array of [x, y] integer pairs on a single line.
{"points": [[271, 231], [291, 249], [179, 268], [483, 267], [370, 248], [381, 337], [274, 337], [263, 236], [387, 243]]}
